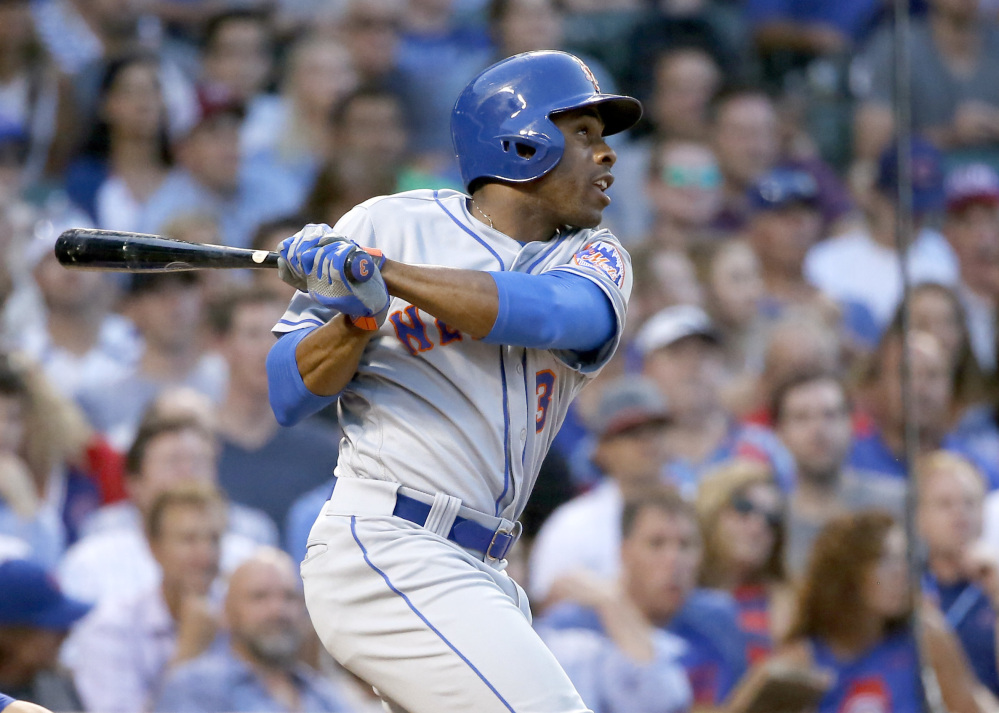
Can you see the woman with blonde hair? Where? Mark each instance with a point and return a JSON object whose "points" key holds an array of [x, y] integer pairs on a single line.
{"points": [[853, 619], [45, 491], [741, 513]]}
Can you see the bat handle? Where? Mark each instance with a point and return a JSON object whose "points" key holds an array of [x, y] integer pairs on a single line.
{"points": [[361, 266]]}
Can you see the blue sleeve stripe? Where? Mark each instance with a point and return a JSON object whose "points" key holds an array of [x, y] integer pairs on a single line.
{"points": [[290, 398], [555, 310], [304, 320], [468, 230]]}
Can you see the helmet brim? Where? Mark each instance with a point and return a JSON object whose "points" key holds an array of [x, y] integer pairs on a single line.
{"points": [[619, 113]]}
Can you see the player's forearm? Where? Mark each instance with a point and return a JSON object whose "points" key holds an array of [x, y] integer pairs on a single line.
{"points": [[466, 300], [328, 357], [306, 369]]}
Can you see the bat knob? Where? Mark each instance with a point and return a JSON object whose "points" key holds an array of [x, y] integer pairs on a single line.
{"points": [[361, 266]]}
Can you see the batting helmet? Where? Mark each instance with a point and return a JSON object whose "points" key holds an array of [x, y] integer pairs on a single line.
{"points": [[501, 123]]}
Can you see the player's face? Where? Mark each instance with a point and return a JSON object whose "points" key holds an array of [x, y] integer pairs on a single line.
{"points": [[575, 192], [661, 557], [815, 427], [950, 509], [188, 546], [265, 611]]}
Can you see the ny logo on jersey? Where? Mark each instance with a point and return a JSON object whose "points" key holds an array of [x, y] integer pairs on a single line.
{"points": [[412, 332], [604, 258]]}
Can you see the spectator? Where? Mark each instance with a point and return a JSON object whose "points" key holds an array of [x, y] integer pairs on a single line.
{"points": [[681, 353], [211, 177], [853, 617], [45, 486], [237, 55], [585, 533], [937, 310], [785, 223], [663, 278], [955, 95], [629, 665], [370, 128], [253, 446], [35, 617], [811, 414], [660, 556], [80, 342], [120, 654], [114, 560], [290, 132], [669, 25], [788, 36], [517, 26], [433, 36], [879, 440], [166, 310], [259, 668], [744, 135], [741, 512], [30, 92], [863, 265], [747, 137], [684, 190], [127, 156], [82, 35], [800, 341], [733, 289], [961, 578], [971, 226], [676, 113], [370, 30]]}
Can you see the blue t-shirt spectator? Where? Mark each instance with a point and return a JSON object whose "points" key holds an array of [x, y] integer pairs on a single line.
{"points": [[708, 623]]}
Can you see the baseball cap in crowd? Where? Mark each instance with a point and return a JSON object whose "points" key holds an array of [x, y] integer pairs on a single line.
{"points": [[784, 187], [927, 175], [670, 325], [972, 183], [626, 403], [31, 597]]}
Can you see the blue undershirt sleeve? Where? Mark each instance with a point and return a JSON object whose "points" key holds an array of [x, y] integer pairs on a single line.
{"points": [[290, 398], [555, 310]]}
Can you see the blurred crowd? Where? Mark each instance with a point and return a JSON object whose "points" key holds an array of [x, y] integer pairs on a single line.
{"points": [[724, 503]]}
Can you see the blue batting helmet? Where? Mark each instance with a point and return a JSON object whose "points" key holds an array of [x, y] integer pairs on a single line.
{"points": [[501, 123]]}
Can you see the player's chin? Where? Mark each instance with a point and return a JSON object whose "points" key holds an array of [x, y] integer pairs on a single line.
{"points": [[587, 217]]}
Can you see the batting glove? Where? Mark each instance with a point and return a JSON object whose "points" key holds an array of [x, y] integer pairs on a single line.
{"points": [[342, 276], [291, 250]]}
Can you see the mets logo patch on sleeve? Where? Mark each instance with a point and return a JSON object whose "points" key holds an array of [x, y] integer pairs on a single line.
{"points": [[604, 258]]}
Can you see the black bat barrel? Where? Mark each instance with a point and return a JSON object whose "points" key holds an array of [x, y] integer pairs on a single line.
{"points": [[88, 249]]}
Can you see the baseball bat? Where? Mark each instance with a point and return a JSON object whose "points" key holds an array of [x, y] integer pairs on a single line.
{"points": [[115, 250]]}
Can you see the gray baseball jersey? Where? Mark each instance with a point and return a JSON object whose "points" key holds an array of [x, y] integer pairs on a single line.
{"points": [[436, 410]]}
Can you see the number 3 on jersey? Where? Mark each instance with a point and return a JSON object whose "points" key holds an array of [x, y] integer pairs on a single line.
{"points": [[545, 388]]}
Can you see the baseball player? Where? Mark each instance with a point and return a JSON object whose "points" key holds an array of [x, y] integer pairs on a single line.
{"points": [[480, 319]]}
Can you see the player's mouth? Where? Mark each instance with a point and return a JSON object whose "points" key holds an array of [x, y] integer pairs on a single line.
{"points": [[602, 184]]}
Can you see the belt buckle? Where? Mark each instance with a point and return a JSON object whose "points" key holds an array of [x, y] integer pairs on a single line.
{"points": [[503, 539]]}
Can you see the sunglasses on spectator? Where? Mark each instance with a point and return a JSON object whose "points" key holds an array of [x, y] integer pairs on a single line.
{"points": [[745, 506], [703, 177]]}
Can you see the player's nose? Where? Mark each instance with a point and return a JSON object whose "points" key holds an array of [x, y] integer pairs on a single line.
{"points": [[605, 155]]}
